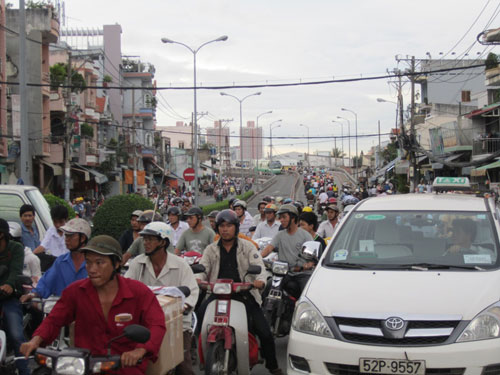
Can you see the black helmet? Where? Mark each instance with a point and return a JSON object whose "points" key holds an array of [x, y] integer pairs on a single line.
{"points": [[288, 209], [260, 203], [194, 211], [174, 210], [267, 199], [213, 214], [177, 201], [230, 202], [228, 216], [299, 206]]}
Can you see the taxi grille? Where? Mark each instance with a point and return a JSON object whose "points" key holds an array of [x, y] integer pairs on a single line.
{"points": [[339, 369], [417, 332]]}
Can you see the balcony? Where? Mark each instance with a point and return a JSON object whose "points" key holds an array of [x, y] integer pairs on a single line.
{"points": [[484, 146], [492, 77], [456, 139], [46, 81]]}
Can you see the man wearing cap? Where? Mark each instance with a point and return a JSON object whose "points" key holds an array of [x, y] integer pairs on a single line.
{"points": [[271, 226], [12, 257], [68, 267], [157, 267], [197, 237], [327, 227], [131, 234], [101, 306]]}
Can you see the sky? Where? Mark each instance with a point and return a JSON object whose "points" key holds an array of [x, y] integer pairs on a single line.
{"points": [[278, 41]]}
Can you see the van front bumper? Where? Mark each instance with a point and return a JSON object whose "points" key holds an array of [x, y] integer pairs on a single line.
{"points": [[323, 355]]}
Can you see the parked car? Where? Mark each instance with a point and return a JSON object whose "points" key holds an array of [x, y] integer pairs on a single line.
{"points": [[12, 197], [409, 285]]}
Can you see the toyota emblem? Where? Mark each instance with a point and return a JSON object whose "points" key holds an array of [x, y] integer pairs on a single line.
{"points": [[394, 323]]}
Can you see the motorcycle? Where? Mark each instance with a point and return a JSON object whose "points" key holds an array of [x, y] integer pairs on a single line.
{"points": [[191, 257], [226, 344], [322, 208], [80, 361]]}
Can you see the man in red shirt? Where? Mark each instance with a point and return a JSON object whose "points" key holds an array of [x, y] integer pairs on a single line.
{"points": [[101, 306]]}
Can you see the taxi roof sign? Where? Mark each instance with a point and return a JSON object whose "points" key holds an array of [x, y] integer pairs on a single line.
{"points": [[451, 183]]}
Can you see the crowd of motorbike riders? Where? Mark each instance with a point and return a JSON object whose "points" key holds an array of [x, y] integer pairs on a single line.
{"points": [[101, 282]]}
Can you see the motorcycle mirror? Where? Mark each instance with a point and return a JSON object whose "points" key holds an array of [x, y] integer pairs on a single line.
{"points": [[198, 268], [185, 290], [137, 333], [254, 270]]}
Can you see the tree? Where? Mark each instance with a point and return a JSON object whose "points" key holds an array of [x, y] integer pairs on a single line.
{"points": [[53, 200], [491, 61], [390, 152], [337, 153], [59, 74]]}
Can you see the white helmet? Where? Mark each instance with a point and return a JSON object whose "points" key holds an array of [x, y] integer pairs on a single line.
{"points": [[159, 229], [15, 229]]}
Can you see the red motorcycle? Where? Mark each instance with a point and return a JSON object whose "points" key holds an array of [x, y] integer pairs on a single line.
{"points": [[226, 346]]}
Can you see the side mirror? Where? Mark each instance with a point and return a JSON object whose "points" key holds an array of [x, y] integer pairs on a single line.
{"points": [[137, 333], [198, 268], [254, 270], [185, 290]]}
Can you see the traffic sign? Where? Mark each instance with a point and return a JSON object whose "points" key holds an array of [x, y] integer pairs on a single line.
{"points": [[188, 174]]}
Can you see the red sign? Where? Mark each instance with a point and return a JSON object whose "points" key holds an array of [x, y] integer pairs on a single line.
{"points": [[188, 174]]}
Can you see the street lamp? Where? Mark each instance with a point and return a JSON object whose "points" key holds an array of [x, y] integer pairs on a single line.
{"points": [[356, 130], [194, 51], [271, 138], [258, 151], [341, 139], [381, 100], [348, 138], [241, 125], [308, 160]]}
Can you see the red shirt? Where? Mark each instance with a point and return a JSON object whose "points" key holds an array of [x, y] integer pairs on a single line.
{"points": [[80, 303]]}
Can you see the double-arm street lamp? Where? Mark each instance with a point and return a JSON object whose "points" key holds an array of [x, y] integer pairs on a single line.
{"points": [[271, 127], [307, 127], [356, 130], [342, 138], [259, 142], [194, 51], [348, 138], [241, 126]]}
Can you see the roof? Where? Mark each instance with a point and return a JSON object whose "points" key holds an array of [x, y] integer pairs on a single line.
{"points": [[483, 110], [424, 202], [100, 103]]}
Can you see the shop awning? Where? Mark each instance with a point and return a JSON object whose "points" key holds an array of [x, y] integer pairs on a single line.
{"points": [[56, 168], [98, 176], [157, 166], [495, 164], [483, 110]]}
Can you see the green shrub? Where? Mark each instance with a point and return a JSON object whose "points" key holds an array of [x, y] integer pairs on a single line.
{"points": [[113, 217], [53, 200], [219, 206]]}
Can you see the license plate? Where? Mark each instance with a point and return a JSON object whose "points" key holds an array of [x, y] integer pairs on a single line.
{"points": [[276, 294], [391, 366]]}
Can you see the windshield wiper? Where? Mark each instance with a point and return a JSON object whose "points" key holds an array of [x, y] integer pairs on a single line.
{"points": [[435, 266], [349, 265]]}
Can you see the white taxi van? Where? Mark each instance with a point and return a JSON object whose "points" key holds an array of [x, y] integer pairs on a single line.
{"points": [[409, 285]]}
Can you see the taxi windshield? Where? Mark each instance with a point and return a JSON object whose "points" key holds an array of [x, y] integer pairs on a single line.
{"points": [[418, 240]]}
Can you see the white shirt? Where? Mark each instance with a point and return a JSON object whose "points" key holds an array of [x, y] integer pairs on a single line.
{"points": [[54, 243], [180, 229], [246, 224], [323, 197], [326, 229], [266, 230], [31, 266], [257, 219]]}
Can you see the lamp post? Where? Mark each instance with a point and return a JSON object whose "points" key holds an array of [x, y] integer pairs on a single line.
{"points": [[342, 138], [308, 161], [258, 151], [381, 100], [271, 138], [241, 126], [356, 130], [348, 137], [194, 51]]}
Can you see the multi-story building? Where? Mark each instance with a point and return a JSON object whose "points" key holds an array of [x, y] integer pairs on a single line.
{"points": [[251, 142], [44, 29]]}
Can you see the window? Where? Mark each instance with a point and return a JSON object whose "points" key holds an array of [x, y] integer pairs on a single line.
{"points": [[181, 145], [466, 96]]}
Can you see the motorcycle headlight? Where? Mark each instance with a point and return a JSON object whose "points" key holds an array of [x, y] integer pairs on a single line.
{"points": [[280, 268], [486, 325], [222, 288], [70, 366], [190, 260], [307, 319]]}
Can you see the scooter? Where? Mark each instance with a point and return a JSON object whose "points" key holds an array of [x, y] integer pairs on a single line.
{"points": [[80, 361], [226, 345]]}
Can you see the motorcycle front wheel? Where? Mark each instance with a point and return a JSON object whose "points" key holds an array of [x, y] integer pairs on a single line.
{"points": [[215, 359]]}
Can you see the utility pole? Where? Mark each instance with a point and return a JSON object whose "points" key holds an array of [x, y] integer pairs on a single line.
{"points": [[379, 149], [134, 141], [220, 146], [69, 130], [413, 137], [25, 162]]}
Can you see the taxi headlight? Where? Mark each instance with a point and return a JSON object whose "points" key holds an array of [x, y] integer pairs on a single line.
{"points": [[70, 366], [280, 268], [307, 319], [222, 288], [486, 325]]}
